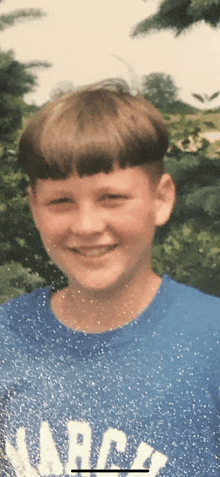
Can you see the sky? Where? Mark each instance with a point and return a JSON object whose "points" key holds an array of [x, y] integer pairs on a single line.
{"points": [[82, 38]]}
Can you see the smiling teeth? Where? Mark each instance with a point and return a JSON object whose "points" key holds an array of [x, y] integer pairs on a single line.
{"points": [[95, 252]]}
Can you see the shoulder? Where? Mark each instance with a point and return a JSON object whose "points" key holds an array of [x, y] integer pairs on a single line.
{"points": [[21, 322], [25, 302], [16, 314], [190, 303], [186, 291]]}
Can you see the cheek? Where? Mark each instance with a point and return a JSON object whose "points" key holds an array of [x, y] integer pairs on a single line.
{"points": [[52, 228], [137, 224]]}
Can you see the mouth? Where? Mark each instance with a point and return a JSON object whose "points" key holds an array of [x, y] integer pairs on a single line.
{"points": [[91, 252]]}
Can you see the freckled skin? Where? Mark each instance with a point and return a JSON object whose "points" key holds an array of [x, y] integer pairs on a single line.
{"points": [[120, 209]]}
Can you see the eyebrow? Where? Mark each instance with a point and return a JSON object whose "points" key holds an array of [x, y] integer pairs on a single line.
{"points": [[100, 189]]}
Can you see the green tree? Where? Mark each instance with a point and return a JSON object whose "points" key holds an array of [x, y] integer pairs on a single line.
{"points": [[160, 89], [188, 247], [205, 99], [178, 15], [19, 239], [16, 79], [16, 280], [9, 19]]}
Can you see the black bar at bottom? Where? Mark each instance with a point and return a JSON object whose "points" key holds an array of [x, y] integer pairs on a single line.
{"points": [[95, 471]]}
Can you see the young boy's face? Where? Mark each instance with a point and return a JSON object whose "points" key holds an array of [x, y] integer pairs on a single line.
{"points": [[99, 229]]}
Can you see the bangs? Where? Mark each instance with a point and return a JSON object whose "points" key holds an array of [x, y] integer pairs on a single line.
{"points": [[92, 131]]}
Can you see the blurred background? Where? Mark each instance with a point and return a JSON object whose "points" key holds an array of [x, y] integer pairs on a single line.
{"points": [[167, 50]]}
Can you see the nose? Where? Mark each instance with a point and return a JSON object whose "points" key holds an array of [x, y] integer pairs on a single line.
{"points": [[88, 221]]}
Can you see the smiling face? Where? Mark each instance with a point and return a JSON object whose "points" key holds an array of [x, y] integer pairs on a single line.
{"points": [[99, 229]]}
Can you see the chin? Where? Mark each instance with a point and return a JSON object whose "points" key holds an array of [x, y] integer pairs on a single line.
{"points": [[97, 285]]}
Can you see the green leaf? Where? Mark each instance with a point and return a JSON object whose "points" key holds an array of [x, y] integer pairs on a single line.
{"points": [[18, 15], [209, 124], [16, 280], [180, 15], [215, 95], [37, 64], [199, 97]]}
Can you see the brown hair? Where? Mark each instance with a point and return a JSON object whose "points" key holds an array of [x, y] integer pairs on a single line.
{"points": [[91, 130]]}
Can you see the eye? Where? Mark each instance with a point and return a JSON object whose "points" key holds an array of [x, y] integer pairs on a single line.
{"points": [[61, 200], [113, 200], [113, 196]]}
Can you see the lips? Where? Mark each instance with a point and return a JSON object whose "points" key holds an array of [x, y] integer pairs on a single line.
{"points": [[94, 251]]}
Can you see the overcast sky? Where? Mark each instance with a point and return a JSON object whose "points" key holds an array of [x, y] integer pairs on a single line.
{"points": [[79, 37]]}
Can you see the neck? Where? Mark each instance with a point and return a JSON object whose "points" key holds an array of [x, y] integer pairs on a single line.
{"points": [[97, 311]]}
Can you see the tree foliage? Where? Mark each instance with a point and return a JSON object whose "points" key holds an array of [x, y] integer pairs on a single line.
{"points": [[16, 280], [187, 247], [160, 89], [178, 15], [16, 79], [10, 19], [19, 239], [205, 98], [191, 257]]}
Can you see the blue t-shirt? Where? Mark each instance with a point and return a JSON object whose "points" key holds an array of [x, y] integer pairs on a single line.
{"points": [[143, 396]]}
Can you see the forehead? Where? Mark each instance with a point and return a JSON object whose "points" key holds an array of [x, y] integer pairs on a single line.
{"points": [[129, 179]]}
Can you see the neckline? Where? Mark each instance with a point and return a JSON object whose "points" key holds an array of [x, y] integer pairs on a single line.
{"points": [[110, 332]]}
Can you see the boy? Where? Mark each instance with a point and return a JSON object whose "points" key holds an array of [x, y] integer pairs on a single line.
{"points": [[119, 370]]}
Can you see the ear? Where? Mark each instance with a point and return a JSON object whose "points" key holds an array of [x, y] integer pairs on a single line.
{"points": [[165, 199], [33, 204]]}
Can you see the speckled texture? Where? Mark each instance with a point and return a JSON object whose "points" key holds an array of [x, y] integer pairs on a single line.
{"points": [[143, 396]]}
